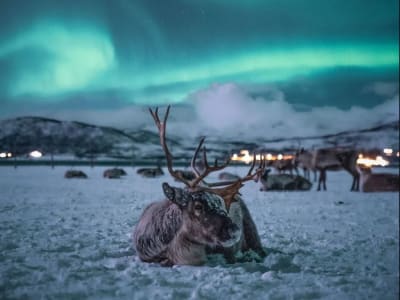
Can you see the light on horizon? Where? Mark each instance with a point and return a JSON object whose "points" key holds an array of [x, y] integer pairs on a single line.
{"points": [[245, 157], [36, 154], [378, 161], [5, 154], [388, 151]]}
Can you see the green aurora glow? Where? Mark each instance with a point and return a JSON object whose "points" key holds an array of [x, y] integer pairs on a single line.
{"points": [[145, 52]]}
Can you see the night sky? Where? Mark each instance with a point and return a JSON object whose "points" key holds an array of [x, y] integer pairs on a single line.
{"points": [[74, 59]]}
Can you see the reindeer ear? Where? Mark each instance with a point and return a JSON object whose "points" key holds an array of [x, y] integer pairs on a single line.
{"points": [[177, 195], [168, 191]]}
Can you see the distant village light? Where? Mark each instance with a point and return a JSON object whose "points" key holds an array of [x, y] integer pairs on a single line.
{"points": [[3, 155], [9, 154], [397, 154], [388, 151], [35, 154], [378, 161], [247, 158]]}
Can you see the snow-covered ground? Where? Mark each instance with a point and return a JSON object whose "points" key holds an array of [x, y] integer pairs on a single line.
{"points": [[71, 239]]}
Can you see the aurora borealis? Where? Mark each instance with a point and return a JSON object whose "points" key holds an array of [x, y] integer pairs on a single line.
{"points": [[107, 55]]}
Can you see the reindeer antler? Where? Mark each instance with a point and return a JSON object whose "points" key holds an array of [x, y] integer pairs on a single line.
{"points": [[226, 189], [231, 188], [207, 168], [161, 129]]}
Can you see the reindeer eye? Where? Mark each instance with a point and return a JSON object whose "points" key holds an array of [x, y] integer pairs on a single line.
{"points": [[198, 206]]}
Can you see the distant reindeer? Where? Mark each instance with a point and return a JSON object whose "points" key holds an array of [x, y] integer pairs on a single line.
{"points": [[324, 160], [114, 173], [198, 219], [283, 165], [75, 174], [283, 182], [377, 182], [305, 162], [348, 160], [150, 172], [187, 174]]}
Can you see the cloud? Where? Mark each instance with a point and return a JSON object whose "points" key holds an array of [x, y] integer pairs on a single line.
{"points": [[229, 110]]}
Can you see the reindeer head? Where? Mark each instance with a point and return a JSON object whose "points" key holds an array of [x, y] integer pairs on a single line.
{"points": [[204, 216], [225, 190]]}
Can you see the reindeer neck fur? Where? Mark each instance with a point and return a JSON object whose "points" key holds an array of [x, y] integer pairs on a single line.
{"points": [[184, 251], [235, 211]]}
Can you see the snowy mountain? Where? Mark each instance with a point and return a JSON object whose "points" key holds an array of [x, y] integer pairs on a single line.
{"points": [[24, 134]]}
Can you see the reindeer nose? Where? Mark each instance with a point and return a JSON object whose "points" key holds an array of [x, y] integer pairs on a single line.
{"points": [[228, 229], [228, 224]]}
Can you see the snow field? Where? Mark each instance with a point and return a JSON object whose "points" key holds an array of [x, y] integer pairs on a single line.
{"points": [[71, 238]]}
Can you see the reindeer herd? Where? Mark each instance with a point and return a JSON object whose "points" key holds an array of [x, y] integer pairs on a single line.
{"points": [[334, 159], [200, 218]]}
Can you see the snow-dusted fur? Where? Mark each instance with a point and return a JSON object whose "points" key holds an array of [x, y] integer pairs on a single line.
{"points": [[182, 229], [249, 239]]}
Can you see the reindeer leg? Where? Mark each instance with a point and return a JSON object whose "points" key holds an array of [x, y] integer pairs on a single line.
{"points": [[166, 263], [356, 183], [319, 181], [322, 179], [357, 187], [353, 184]]}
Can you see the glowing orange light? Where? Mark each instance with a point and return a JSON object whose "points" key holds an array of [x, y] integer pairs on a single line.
{"points": [[369, 162], [244, 156]]}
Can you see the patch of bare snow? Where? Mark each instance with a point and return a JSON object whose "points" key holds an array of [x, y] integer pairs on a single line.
{"points": [[71, 238]]}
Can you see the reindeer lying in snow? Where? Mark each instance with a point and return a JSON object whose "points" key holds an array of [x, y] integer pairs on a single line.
{"points": [[150, 172], [198, 219], [114, 173], [284, 182], [75, 174], [377, 182]]}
